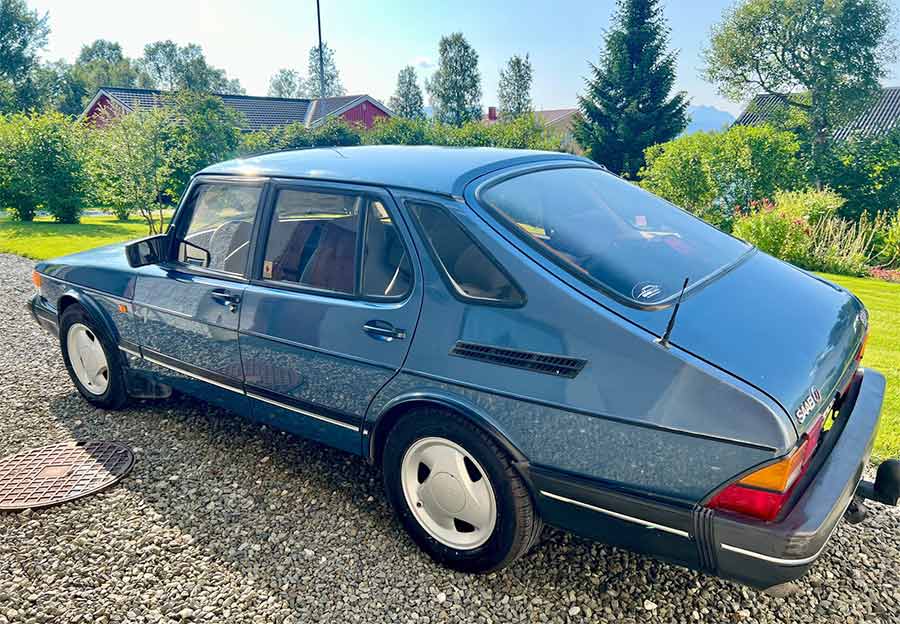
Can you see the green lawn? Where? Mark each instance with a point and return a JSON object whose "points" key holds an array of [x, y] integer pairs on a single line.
{"points": [[42, 238], [883, 351]]}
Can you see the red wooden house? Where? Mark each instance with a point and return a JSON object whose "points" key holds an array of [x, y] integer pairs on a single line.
{"points": [[261, 113]]}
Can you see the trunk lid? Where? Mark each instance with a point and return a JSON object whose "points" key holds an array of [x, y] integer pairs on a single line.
{"points": [[789, 333]]}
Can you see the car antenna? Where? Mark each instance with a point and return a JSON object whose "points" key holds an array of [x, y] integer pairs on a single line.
{"points": [[664, 341]]}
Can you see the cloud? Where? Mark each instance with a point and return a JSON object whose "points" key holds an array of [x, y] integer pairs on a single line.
{"points": [[422, 62]]}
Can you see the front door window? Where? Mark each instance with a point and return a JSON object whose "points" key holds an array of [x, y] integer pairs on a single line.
{"points": [[217, 237]]}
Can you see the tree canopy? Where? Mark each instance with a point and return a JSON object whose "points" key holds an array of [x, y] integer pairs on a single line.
{"points": [[628, 105], [332, 85], [407, 99], [287, 83], [171, 67], [824, 58], [514, 90], [455, 87]]}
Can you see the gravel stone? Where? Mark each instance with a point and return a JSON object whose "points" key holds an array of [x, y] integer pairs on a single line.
{"points": [[215, 522]]}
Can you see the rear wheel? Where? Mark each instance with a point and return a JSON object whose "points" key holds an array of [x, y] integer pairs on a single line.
{"points": [[457, 493], [91, 359]]}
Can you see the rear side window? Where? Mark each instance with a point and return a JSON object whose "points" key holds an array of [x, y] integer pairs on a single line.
{"points": [[313, 238], [220, 226], [611, 233], [469, 271]]}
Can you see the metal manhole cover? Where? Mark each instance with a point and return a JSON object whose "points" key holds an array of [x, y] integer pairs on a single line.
{"points": [[50, 475]]}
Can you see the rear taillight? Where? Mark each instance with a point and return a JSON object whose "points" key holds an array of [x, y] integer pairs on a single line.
{"points": [[862, 348], [763, 493]]}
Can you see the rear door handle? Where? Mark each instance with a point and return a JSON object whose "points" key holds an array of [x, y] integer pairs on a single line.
{"points": [[381, 330], [226, 297]]}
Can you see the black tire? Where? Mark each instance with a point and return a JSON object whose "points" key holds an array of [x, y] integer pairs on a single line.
{"points": [[517, 526], [116, 393]]}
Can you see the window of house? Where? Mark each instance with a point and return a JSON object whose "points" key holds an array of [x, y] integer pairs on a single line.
{"points": [[467, 269], [217, 236], [313, 238]]}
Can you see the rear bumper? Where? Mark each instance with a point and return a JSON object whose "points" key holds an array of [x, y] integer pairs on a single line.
{"points": [[759, 554], [42, 314], [766, 554]]}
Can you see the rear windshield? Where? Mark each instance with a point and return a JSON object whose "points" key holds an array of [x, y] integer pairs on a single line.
{"points": [[612, 233]]}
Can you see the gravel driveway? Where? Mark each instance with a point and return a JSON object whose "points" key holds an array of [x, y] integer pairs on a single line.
{"points": [[224, 521]]}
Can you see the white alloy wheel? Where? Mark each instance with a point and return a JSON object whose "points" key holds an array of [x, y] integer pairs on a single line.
{"points": [[87, 358], [449, 493]]}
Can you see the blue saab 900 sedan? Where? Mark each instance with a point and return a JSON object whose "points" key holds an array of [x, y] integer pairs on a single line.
{"points": [[515, 337]]}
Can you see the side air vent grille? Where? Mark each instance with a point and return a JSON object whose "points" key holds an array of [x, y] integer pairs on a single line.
{"points": [[556, 365]]}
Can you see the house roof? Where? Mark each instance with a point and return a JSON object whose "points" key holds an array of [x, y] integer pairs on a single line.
{"points": [[260, 112], [444, 170], [880, 117], [555, 116]]}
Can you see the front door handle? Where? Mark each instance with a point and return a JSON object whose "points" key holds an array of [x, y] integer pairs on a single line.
{"points": [[226, 298], [382, 330]]}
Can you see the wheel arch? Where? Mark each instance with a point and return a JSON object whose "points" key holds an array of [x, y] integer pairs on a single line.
{"points": [[94, 310], [391, 413]]}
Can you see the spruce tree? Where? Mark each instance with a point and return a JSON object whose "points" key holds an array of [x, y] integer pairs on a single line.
{"points": [[407, 101], [629, 104]]}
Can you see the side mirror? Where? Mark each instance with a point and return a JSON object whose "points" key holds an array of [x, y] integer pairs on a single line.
{"points": [[146, 251]]}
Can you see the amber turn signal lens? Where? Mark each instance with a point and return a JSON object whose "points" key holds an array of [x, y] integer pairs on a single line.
{"points": [[36, 279], [779, 476], [123, 308]]}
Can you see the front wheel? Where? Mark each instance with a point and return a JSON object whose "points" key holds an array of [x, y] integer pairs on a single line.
{"points": [[91, 359], [457, 493]]}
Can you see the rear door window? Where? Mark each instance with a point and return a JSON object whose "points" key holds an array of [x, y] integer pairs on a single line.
{"points": [[313, 239], [387, 269], [611, 233]]}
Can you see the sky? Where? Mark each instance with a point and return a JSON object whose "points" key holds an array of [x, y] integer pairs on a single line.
{"points": [[373, 40]]}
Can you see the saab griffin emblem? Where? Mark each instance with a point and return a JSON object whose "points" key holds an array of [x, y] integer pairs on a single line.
{"points": [[646, 291], [809, 404]]}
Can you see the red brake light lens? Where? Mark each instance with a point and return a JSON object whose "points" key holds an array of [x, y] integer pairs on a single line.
{"points": [[763, 493]]}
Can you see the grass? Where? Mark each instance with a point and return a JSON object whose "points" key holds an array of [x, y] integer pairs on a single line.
{"points": [[882, 352], [43, 238]]}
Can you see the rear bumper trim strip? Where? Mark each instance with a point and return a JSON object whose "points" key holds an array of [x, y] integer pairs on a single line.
{"points": [[620, 516]]}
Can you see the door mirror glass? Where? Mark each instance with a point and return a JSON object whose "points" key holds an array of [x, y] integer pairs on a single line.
{"points": [[146, 251], [194, 254]]}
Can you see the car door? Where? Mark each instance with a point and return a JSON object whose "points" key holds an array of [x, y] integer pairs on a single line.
{"points": [[188, 306], [330, 314]]}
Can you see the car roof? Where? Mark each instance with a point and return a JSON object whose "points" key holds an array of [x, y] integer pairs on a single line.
{"points": [[435, 169]]}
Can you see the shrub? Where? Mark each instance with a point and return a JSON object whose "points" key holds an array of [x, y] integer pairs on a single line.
{"points": [[43, 166], [331, 133], [887, 240], [198, 130], [810, 205], [866, 172], [131, 166], [711, 173], [774, 232], [803, 229], [525, 132]]}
